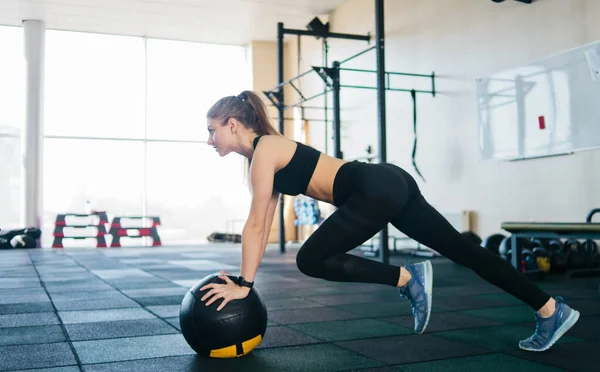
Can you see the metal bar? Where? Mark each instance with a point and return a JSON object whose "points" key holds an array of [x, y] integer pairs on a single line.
{"points": [[280, 109], [358, 70], [318, 108], [391, 89], [407, 74], [554, 235], [270, 96], [307, 99], [297, 90], [384, 253], [325, 63], [359, 87], [290, 80], [433, 83], [337, 151], [333, 35], [515, 253], [409, 90], [357, 54], [387, 72]]}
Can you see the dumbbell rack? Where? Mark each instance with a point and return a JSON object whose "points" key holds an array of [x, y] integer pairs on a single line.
{"points": [[61, 223], [589, 231]]}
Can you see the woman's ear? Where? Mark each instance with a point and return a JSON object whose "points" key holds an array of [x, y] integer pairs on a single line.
{"points": [[232, 124]]}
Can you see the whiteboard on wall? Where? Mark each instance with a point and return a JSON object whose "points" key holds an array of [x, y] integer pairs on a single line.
{"points": [[545, 108]]}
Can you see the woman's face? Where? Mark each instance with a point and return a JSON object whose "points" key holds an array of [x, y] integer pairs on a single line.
{"points": [[220, 136]]}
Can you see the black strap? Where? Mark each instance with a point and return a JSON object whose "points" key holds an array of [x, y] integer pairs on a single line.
{"points": [[243, 282], [414, 152], [255, 142]]}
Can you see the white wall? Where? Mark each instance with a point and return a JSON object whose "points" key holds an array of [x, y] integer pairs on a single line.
{"points": [[461, 40]]}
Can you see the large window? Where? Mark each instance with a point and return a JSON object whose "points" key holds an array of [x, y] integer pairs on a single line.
{"points": [[195, 191], [126, 130], [10, 183], [184, 80], [12, 121], [106, 173], [94, 85]]}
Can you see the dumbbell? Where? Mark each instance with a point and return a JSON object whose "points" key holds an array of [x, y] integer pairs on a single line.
{"points": [[558, 256], [576, 253], [541, 253], [492, 243]]}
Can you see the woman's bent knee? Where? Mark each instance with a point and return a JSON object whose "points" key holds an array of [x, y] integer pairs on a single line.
{"points": [[306, 264]]}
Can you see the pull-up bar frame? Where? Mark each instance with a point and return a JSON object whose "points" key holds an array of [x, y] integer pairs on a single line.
{"points": [[276, 96]]}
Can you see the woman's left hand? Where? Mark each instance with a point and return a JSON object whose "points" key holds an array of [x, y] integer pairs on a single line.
{"points": [[228, 291]]}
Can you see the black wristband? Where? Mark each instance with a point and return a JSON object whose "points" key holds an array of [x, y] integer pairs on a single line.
{"points": [[244, 283]]}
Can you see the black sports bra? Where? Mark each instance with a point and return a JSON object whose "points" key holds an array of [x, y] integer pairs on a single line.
{"points": [[293, 179]]}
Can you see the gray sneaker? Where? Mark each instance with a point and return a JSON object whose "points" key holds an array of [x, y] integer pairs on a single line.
{"points": [[418, 292], [549, 330]]}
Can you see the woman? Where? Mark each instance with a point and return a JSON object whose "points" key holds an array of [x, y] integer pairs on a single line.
{"points": [[367, 197]]}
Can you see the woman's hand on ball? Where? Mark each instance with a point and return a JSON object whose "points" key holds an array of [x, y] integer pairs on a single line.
{"points": [[228, 291]]}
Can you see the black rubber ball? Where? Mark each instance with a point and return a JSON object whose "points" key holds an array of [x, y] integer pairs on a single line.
{"points": [[231, 332]]}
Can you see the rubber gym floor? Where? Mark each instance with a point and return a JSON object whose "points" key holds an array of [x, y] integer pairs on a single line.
{"points": [[117, 310]]}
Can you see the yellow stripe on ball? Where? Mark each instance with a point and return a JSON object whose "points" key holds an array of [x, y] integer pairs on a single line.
{"points": [[251, 344], [232, 351]]}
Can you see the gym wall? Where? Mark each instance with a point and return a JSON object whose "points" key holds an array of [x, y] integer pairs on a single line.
{"points": [[461, 41]]}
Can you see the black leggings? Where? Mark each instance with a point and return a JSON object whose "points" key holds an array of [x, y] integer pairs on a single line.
{"points": [[368, 197]]}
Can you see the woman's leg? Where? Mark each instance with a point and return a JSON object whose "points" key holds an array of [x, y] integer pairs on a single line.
{"points": [[378, 194], [422, 222], [323, 255]]}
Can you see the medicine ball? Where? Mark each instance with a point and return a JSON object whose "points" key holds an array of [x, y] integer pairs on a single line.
{"points": [[231, 332]]}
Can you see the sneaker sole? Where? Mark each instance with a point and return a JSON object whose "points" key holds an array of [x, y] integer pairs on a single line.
{"points": [[428, 275], [570, 322]]}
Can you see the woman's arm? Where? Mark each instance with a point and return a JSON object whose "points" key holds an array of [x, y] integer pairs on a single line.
{"points": [[269, 218], [258, 225], [256, 230]]}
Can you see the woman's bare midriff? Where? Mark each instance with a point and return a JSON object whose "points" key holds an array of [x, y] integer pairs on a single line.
{"points": [[321, 183]]}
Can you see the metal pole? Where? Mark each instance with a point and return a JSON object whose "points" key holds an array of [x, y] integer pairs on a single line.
{"points": [[326, 103], [357, 54], [337, 151], [33, 136], [333, 35], [280, 109], [384, 253]]}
